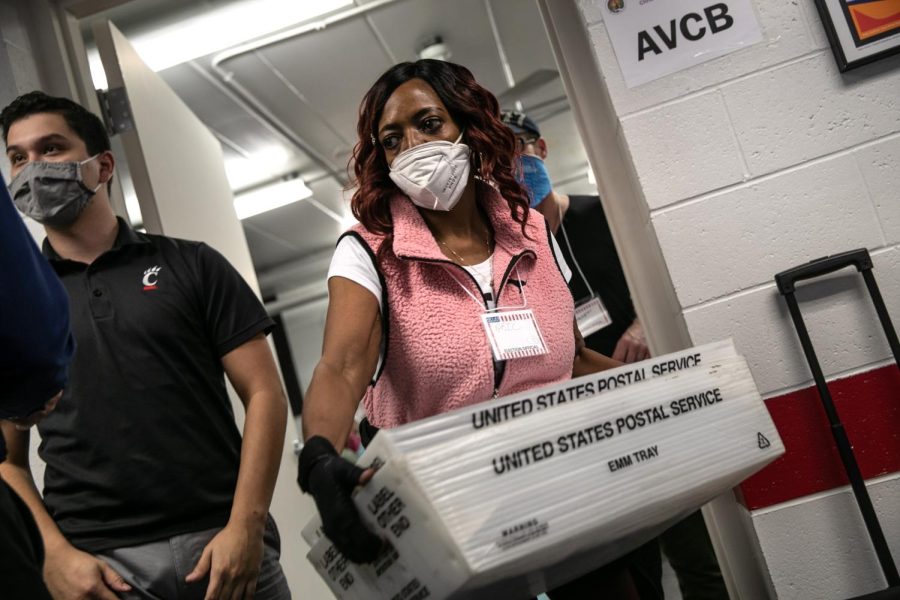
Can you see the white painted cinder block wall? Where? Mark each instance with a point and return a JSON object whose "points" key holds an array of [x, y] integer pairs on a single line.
{"points": [[753, 163]]}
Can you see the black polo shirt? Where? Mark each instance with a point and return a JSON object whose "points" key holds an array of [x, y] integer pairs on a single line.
{"points": [[592, 242], [143, 444]]}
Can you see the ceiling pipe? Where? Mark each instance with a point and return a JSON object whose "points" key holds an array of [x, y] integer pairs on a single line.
{"points": [[552, 102], [300, 96], [224, 80], [501, 51], [300, 30], [245, 98], [504, 62]]}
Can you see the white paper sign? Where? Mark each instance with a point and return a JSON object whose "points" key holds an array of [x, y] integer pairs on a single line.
{"points": [[653, 38]]}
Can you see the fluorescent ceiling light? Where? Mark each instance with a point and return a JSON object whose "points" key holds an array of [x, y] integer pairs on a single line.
{"points": [[270, 197], [263, 164], [216, 30]]}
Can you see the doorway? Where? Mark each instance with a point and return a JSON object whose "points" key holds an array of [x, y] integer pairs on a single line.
{"points": [[271, 112]]}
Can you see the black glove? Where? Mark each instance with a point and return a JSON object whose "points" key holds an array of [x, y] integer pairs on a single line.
{"points": [[331, 479]]}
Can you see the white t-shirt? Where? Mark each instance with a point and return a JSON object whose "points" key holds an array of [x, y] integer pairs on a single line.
{"points": [[352, 261]]}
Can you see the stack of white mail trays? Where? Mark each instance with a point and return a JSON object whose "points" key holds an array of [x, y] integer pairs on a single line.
{"points": [[521, 493]]}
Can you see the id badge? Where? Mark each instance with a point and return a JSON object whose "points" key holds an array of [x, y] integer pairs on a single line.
{"points": [[591, 316], [513, 334]]}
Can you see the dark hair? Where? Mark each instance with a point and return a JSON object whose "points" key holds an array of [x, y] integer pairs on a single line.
{"points": [[473, 108], [83, 122]]}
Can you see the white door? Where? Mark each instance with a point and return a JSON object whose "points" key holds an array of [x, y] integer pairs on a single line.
{"points": [[179, 178]]}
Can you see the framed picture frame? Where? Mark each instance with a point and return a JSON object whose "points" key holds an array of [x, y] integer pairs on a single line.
{"points": [[861, 31]]}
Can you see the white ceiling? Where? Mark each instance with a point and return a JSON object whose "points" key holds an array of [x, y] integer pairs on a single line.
{"points": [[290, 107]]}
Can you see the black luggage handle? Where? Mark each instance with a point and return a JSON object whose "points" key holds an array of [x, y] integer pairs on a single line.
{"points": [[858, 258], [821, 266], [785, 280]]}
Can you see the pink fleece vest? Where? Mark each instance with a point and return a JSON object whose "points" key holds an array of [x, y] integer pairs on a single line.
{"points": [[437, 356]]}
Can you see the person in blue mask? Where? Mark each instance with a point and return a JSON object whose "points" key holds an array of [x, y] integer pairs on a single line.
{"points": [[36, 346], [610, 326], [604, 313], [607, 320]]}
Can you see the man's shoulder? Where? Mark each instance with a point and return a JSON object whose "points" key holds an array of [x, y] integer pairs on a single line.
{"points": [[166, 242], [584, 212], [585, 204], [190, 251], [188, 255]]}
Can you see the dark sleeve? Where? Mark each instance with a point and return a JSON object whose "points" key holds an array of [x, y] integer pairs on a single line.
{"points": [[233, 313], [595, 251], [35, 342], [21, 549]]}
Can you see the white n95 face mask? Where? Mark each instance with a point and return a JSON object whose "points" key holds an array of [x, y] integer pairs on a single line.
{"points": [[434, 174]]}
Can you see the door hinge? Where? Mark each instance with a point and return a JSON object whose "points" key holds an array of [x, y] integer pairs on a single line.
{"points": [[116, 110]]}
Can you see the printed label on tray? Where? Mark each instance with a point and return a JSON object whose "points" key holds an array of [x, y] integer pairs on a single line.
{"points": [[596, 433], [414, 590], [581, 388], [633, 458], [521, 533], [387, 508]]}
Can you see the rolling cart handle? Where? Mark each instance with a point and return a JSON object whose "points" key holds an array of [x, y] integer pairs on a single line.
{"points": [[828, 264], [785, 282], [821, 266]]}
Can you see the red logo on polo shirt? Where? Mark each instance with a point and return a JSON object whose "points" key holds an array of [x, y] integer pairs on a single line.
{"points": [[150, 277]]}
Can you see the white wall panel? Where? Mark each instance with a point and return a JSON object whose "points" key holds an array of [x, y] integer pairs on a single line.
{"points": [[12, 28], [818, 549], [805, 110], [880, 166], [683, 149], [781, 159], [24, 69], [740, 238], [592, 10], [841, 321], [814, 22]]}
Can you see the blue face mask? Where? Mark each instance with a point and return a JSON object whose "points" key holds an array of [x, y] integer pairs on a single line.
{"points": [[535, 178]]}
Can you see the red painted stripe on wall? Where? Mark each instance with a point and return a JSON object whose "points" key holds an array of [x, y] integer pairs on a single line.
{"points": [[869, 406]]}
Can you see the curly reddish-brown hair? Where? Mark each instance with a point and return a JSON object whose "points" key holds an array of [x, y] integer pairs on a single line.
{"points": [[474, 110]]}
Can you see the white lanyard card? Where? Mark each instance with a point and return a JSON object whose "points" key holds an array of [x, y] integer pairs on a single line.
{"points": [[591, 315], [513, 334]]}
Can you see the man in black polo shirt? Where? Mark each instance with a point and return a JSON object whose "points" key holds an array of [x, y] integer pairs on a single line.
{"points": [[149, 490]]}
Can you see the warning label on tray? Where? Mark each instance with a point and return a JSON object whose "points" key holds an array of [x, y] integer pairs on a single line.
{"points": [[596, 433], [522, 532]]}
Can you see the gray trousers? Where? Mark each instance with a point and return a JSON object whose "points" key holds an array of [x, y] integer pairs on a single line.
{"points": [[156, 571]]}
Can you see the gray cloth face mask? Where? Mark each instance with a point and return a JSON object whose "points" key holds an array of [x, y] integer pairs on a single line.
{"points": [[52, 193]]}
